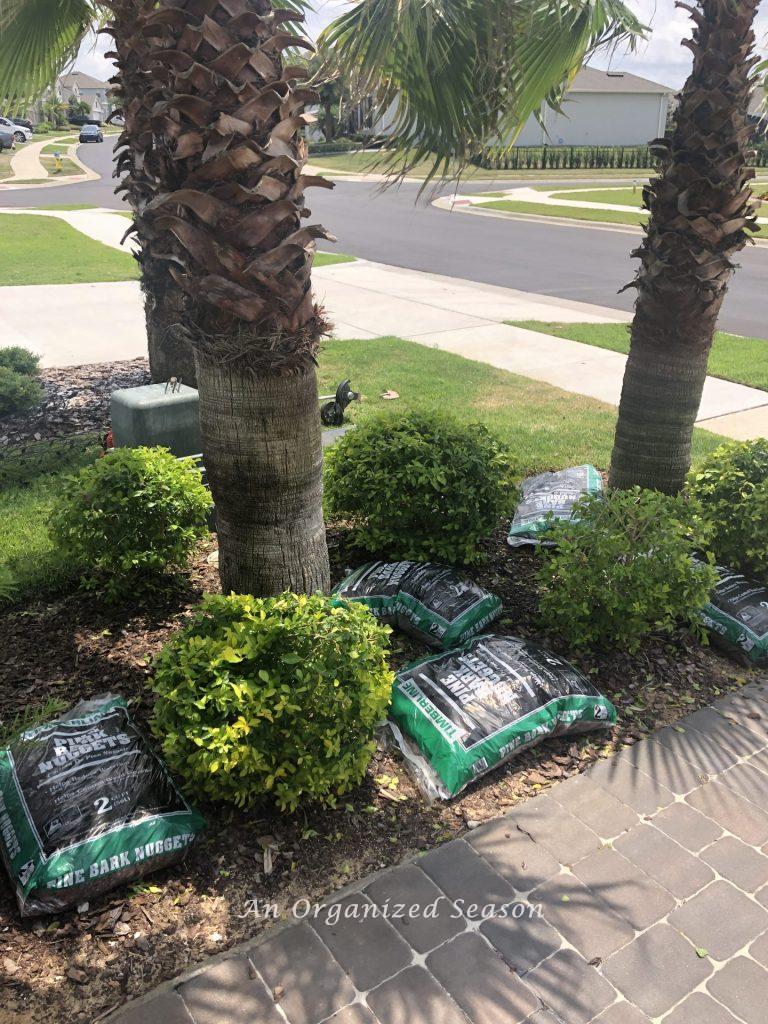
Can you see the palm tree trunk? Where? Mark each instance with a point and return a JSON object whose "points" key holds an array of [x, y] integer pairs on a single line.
{"points": [[170, 354], [659, 405], [263, 457], [700, 215]]}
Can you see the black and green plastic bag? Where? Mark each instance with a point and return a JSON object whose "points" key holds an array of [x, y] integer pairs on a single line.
{"points": [[459, 714], [434, 603], [550, 496], [84, 806], [736, 616]]}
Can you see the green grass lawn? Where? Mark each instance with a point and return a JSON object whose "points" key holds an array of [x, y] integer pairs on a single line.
{"points": [[570, 212], [327, 259], [547, 429], [45, 250], [617, 196], [67, 166], [66, 206], [5, 164], [28, 488], [744, 360], [54, 147]]}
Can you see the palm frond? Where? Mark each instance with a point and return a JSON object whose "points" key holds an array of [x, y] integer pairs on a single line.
{"points": [[38, 38], [464, 73]]}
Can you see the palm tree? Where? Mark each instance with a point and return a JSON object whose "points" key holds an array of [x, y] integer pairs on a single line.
{"points": [[701, 213], [38, 39], [212, 161], [463, 74], [700, 210]]}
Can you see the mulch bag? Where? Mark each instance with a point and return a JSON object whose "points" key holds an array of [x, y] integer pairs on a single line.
{"points": [[85, 806], [550, 495], [433, 603], [736, 616], [457, 715]]}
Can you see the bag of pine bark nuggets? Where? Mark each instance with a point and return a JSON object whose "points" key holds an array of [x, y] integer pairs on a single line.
{"points": [[84, 806], [736, 616], [550, 495], [457, 715], [432, 602]]}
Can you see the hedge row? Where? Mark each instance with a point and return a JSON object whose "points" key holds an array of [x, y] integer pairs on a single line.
{"points": [[573, 157]]}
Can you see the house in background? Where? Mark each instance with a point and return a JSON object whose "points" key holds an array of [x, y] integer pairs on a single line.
{"points": [[87, 89], [602, 108]]}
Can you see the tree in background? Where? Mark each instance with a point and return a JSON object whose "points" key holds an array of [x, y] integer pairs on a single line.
{"points": [[701, 213], [77, 108]]}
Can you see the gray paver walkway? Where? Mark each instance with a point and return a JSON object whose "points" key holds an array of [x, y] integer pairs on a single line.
{"points": [[636, 893]]}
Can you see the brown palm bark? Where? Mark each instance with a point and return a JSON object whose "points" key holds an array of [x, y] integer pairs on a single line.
{"points": [[170, 354], [701, 214], [169, 350], [215, 174]]}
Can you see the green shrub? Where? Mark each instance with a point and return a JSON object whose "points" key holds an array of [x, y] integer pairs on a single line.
{"points": [[731, 486], [17, 392], [20, 360], [130, 516], [623, 569], [420, 485], [272, 696]]}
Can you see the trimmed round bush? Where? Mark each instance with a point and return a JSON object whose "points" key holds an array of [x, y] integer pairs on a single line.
{"points": [[623, 568], [18, 392], [420, 485], [731, 487], [272, 697], [130, 516], [20, 360]]}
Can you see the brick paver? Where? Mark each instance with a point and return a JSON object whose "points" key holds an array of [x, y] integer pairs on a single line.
{"points": [[699, 1009], [657, 969], [481, 982], [721, 919], [634, 893], [418, 909], [742, 986]]}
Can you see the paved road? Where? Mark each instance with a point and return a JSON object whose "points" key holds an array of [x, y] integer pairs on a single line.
{"points": [[584, 263]]}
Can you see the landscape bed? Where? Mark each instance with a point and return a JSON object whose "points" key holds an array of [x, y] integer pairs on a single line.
{"points": [[81, 965]]}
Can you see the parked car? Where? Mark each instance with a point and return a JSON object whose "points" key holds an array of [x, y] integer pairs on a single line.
{"points": [[23, 122], [20, 133], [7, 140], [91, 133]]}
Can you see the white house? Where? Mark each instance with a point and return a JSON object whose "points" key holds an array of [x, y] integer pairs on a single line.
{"points": [[602, 108], [89, 90]]}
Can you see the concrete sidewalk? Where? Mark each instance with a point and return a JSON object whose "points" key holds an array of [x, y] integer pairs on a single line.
{"points": [[633, 893], [69, 324]]}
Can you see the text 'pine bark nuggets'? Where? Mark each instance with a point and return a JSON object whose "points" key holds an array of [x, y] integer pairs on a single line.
{"points": [[84, 806], [459, 714]]}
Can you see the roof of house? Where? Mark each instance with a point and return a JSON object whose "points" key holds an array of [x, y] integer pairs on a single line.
{"points": [[83, 81], [594, 80]]}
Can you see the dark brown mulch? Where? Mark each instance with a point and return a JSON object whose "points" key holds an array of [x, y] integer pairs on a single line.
{"points": [[76, 401], [79, 966]]}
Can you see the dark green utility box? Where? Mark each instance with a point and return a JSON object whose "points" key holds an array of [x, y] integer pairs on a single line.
{"points": [[158, 415]]}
